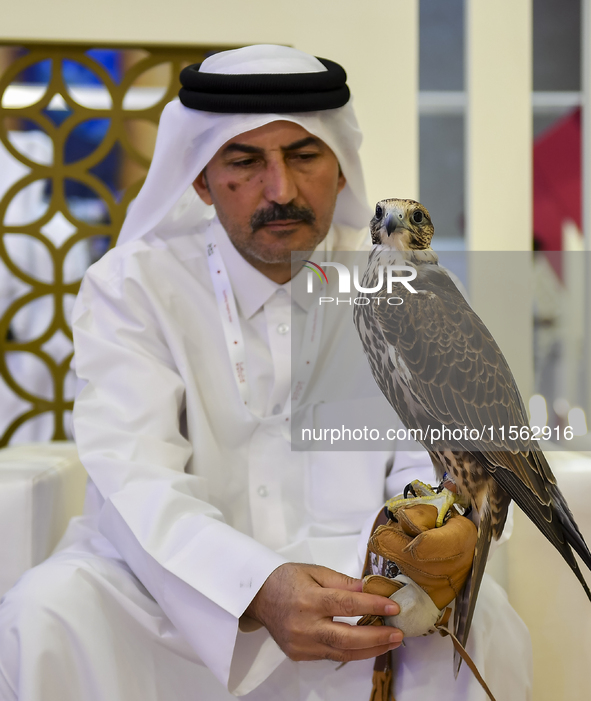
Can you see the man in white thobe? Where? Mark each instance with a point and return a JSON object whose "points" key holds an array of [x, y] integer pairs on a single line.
{"points": [[211, 558]]}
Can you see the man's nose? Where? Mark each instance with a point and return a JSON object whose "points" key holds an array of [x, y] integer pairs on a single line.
{"points": [[280, 185]]}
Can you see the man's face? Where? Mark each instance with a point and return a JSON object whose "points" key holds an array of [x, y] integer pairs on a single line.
{"points": [[274, 189]]}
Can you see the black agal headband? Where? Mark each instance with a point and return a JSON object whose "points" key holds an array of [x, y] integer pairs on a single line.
{"points": [[259, 93]]}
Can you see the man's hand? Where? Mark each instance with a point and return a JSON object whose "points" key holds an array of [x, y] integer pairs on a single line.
{"points": [[297, 604]]}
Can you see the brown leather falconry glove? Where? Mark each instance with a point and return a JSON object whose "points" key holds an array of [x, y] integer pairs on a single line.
{"points": [[420, 558], [425, 566]]}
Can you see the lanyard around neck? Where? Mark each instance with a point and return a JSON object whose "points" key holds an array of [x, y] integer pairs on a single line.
{"points": [[235, 340]]}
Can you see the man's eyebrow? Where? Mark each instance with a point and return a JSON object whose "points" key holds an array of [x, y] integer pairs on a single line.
{"points": [[302, 143], [246, 148], [242, 148]]}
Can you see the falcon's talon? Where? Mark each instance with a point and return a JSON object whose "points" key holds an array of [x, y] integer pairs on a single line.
{"points": [[425, 494], [408, 489]]}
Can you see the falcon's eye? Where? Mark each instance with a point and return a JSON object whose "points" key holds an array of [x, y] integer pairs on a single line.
{"points": [[379, 211], [418, 216]]}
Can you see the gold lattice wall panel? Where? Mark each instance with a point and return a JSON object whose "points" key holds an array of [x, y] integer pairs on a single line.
{"points": [[61, 206]]}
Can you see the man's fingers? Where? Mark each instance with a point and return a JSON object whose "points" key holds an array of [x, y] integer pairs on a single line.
{"points": [[342, 636], [334, 580], [344, 603], [297, 605], [352, 655], [343, 643], [330, 653], [323, 652]]}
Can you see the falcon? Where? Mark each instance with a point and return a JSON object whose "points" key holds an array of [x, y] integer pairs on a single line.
{"points": [[440, 368]]}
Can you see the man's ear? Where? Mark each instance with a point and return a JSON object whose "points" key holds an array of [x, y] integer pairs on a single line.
{"points": [[342, 181], [201, 187]]}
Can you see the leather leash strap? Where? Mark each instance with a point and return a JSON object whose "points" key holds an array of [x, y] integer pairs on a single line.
{"points": [[382, 681], [466, 657]]}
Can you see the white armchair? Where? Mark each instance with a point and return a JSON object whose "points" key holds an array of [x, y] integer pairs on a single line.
{"points": [[41, 488]]}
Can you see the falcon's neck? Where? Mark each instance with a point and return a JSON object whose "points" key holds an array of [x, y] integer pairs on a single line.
{"points": [[386, 255]]}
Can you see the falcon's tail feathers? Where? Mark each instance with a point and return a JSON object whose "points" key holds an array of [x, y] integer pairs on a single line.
{"points": [[573, 536], [466, 601]]}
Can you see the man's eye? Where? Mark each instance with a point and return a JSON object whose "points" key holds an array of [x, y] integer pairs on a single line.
{"points": [[244, 162], [305, 156]]}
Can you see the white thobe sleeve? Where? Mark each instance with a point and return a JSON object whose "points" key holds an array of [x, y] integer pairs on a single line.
{"points": [[202, 572]]}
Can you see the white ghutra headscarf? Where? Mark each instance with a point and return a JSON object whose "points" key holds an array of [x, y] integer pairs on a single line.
{"points": [[189, 138]]}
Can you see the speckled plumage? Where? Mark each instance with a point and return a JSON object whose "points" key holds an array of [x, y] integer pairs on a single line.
{"points": [[437, 364]]}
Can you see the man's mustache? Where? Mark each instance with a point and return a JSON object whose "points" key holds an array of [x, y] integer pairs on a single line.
{"points": [[281, 212]]}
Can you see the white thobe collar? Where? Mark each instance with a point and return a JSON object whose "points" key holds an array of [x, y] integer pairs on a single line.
{"points": [[251, 288]]}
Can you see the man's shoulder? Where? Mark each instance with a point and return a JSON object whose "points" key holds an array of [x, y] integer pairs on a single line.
{"points": [[149, 255]]}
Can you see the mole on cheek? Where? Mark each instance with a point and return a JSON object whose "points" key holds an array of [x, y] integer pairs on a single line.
{"points": [[232, 187]]}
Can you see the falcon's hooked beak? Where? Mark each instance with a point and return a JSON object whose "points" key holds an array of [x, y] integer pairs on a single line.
{"points": [[391, 222], [404, 225]]}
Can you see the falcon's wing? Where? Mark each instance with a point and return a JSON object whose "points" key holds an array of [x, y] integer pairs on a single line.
{"points": [[458, 376]]}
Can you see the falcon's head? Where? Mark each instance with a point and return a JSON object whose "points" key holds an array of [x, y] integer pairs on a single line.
{"points": [[401, 224]]}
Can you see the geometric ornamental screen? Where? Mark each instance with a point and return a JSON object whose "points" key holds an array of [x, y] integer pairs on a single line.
{"points": [[77, 131]]}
